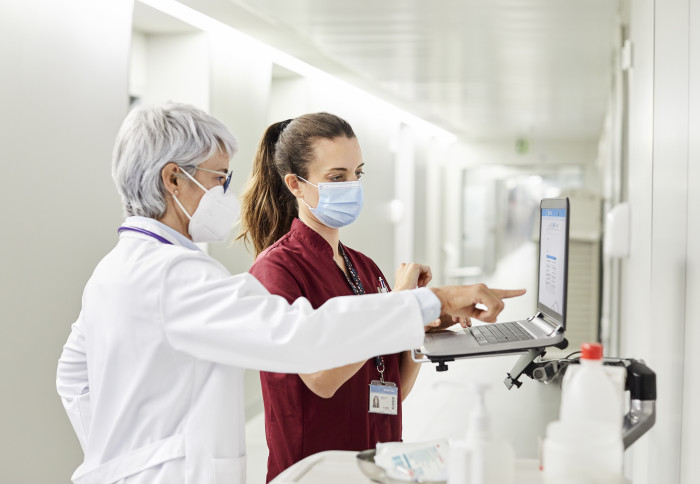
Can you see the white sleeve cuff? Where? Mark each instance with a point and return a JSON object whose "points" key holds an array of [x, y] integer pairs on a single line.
{"points": [[429, 303]]}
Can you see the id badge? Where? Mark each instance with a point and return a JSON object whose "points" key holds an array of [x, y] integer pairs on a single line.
{"points": [[383, 398]]}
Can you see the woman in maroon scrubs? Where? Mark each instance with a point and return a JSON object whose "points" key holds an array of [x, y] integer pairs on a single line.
{"points": [[303, 187]]}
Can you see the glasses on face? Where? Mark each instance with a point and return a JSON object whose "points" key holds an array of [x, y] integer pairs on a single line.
{"points": [[225, 176]]}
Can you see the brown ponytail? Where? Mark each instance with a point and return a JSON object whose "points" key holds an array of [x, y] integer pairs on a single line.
{"points": [[268, 208]]}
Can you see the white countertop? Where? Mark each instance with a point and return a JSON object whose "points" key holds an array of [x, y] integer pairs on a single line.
{"points": [[340, 467]]}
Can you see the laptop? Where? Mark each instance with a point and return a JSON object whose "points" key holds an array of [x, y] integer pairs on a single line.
{"points": [[544, 328]]}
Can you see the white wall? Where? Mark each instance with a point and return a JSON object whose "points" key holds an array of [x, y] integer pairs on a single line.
{"points": [[659, 280], [177, 69], [690, 438], [609, 174], [403, 204], [434, 228], [669, 221], [636, 271], [289, 98], [63, 96]]}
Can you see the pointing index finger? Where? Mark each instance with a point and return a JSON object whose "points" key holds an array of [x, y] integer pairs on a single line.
{"points": [[507, 293]]}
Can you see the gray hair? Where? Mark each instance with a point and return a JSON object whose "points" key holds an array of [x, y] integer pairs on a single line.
{"points": [[151, 137]]}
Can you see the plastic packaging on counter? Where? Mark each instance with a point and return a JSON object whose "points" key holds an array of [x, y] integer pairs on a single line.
{"points": [[413, 462]]}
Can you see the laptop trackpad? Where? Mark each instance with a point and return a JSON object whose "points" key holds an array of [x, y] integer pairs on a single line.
{"points": [[444, 334], [448, 342]]}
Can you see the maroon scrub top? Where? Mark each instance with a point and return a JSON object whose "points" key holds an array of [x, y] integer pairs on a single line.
{"points": [[298, 423]]}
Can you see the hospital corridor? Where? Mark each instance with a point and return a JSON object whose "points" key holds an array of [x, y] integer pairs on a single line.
{"points": [[314, 241]]}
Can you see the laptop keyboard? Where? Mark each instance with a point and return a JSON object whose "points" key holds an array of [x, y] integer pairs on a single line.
{"points": [[499, 333]]}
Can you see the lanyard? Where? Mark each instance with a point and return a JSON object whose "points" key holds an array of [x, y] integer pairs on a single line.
{"points": [[145, 232], [379, 361], [358, 289], [354, 280]]}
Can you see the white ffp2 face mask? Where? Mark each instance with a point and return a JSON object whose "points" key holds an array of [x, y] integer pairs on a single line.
{"points": [[215, 216]]}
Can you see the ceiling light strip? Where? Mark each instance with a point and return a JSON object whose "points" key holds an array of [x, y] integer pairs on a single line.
{"points": [[216, 27]]}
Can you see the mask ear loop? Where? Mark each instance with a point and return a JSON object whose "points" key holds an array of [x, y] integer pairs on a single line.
{"points": [[181, 207], [178, 201], [307, 181]]}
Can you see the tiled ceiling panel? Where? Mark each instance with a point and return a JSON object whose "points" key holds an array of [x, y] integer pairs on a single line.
{"points": [[483, 69]]}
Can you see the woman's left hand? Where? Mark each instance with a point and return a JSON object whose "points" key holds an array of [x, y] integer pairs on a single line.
{"points": [[412, 275]]}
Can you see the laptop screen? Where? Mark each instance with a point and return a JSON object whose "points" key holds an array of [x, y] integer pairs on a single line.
{"points": [[554, 230]]}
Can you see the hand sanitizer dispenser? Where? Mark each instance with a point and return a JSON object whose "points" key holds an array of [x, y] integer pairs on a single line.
{"points": [[481, 458]]}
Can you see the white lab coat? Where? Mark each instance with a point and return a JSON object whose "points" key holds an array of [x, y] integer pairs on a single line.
{"points": [[152, 373]]}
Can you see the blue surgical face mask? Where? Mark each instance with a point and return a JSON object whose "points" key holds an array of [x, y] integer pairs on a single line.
{"points": [[339, 203]]}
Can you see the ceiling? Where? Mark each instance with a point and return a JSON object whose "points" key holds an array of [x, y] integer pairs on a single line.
{"points": [[483, 69]]}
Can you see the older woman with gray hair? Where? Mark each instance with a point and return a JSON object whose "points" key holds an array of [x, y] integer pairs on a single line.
{"points": [[152, 373]]}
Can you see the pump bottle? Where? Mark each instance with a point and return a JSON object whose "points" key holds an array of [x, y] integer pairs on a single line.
{"points": [[480, 458]]}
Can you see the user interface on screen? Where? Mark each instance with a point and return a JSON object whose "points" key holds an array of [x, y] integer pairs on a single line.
{"points": [[552, 258]]}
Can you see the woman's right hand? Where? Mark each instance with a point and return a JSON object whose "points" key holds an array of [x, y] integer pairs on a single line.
{"points": [[412, 275], [445, 321]]}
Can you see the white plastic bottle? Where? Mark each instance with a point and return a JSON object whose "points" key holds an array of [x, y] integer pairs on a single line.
{"points": [[616, 374], [481, 458], [585, 445], [590, 394]]}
